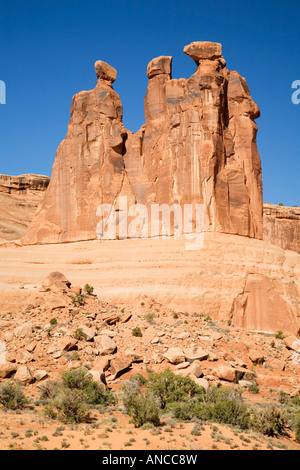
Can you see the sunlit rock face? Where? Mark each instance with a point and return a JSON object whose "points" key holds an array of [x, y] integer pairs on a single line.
{"points": [[197, 146]]}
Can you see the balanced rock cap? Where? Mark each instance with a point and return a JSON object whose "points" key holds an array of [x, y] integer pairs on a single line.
{"points": [[105, 71], [160, 65], [203, 50]]}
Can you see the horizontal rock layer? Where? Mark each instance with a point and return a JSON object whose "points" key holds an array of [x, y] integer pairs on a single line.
{"points": [[19, 200], [282, 226]]}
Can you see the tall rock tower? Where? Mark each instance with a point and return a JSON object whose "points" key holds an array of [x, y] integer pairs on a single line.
{"points": [[197, 146]]}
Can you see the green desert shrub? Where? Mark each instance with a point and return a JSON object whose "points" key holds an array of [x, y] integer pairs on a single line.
{"points": [[94, 392], [171, 388], [78, 299], [79, 334], [88, 289], [71, 406], [271, 421], [49, 389], [279, 334], [71, 398], [137, 332], [296, 426], [12, 396], [142, 407]]}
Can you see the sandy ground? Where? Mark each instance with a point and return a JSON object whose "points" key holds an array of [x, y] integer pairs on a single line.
{"points": [[124, 273]]}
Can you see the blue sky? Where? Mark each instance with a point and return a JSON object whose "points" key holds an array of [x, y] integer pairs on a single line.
{"points": [[48, 49]]}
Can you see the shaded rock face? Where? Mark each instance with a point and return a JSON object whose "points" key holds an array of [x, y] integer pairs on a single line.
{"points": [[19, 200], [282, 226], [198, 146]]}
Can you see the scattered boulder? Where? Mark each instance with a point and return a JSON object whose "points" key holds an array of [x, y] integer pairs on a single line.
{"points": [[24, 375], [119, 364], [133, 356], [101, 364], [157, 358], [195, 354], [256, 356], [202, 382], [105, 345], [88, 332], [230, 374], [246, 383], [58, 280], [175, 355], [292, 342], [98, 376], [110, 319], [125, 318], [7, 370], [67, 343], [23, 330], [39, 375]]}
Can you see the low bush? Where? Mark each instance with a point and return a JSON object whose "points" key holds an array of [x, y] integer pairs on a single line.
{"points": [[78, 299], [12, 396], [137, 332], [88, 289], [171, 388], [71, 406], [271, 421], [141, 407]]}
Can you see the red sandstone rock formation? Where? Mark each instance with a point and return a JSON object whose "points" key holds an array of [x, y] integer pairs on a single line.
{"points": [[88, 168], [282, 226], [198, 146]]}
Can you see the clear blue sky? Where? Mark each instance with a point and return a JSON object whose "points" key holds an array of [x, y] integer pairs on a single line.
{"points": [[48, 49]]}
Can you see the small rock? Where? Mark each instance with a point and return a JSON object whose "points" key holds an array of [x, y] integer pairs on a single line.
{"points": [[175, 355], [230, 374], [67, 343], [182, 365], [133, 356], [119, 364], [105, 345], [7, 370], [23, 330], [76, 290], [110, 319], [202, 382], [125, 318], [101, 364], [256, 356], [245, 383], [23, 375], [88, 332], [109, 333], [292, 342], [40, 375], [196, 354], [157, 358]]}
